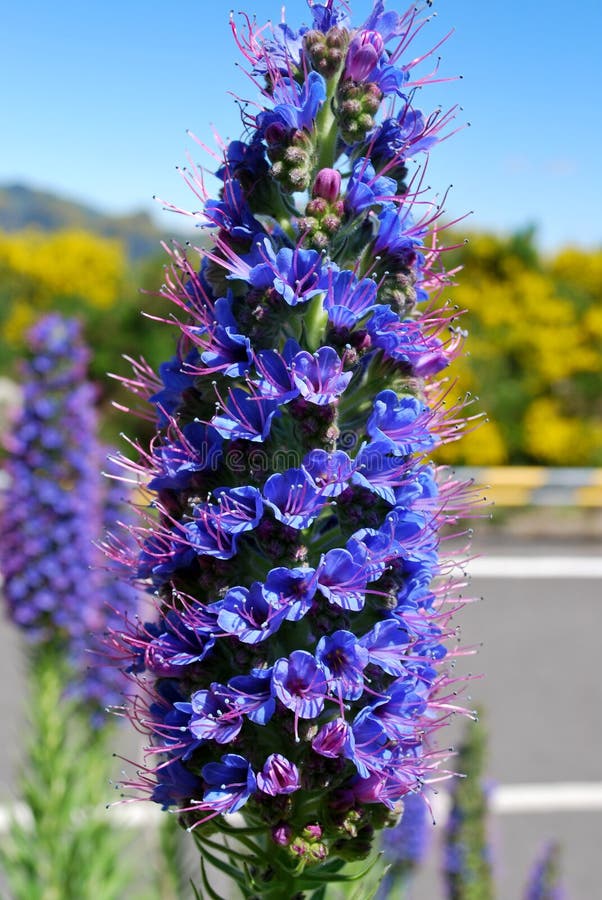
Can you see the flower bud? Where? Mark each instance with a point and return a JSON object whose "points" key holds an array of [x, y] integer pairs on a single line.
{"points": [[282, 834], [364, 51], [327, 184]]}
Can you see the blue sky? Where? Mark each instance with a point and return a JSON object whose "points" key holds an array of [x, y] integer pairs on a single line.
{"points": [[97, 99]]}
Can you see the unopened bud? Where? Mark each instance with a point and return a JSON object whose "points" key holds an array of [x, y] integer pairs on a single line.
{"points": [[365, 50], [327, 184]]}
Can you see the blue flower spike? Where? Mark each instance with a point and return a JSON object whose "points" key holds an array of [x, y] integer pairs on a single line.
{"points": [[292, 545]]}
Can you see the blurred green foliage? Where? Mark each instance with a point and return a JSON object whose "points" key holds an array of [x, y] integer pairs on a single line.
{"points": [[533, 352]]}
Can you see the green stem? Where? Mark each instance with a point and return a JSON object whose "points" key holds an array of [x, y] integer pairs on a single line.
{"points": [[66, 846], [327, 132]]}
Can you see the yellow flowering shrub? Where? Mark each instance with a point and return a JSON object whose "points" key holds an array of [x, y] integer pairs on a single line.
{"points": [[72, 271], [535, 353]]}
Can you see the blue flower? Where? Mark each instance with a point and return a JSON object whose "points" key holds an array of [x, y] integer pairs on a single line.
{"points": [[331, 472], [248, 615], [275, 381], [230, 783], [244, 162], [401, 420], [232, 213], [386, 646], [405, 342], [344, 659], [293, 498], [299, 682], [176, 646], [379, 468], [349, 299], [293, 590], [296, 275], [246, 416], [59, 588], [213, 715], [177, 462], [175, 783], [230, 352], [343, 580], [177, 376], [367, 189], [253, 695], [398, 139], [319, 376], [295, 107]]}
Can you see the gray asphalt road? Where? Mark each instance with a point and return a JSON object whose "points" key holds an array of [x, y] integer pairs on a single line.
{"points": [[542, 691]]}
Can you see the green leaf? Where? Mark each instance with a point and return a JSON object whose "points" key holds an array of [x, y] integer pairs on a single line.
{"points": [[207, 886]]}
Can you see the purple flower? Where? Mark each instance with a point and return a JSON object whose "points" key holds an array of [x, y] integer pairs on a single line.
{"points": [[278, 776], [327, 184], [331, 472], [299, 682], [319, 376], [335, 739], [366, 62], [214, 716], [365, 50]]}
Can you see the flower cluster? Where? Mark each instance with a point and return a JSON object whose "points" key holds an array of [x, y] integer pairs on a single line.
{"points": [[544, 879], [297, 666], [55, 508]]}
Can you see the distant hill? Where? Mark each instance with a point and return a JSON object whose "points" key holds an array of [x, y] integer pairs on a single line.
{"points": [[22, 207]]}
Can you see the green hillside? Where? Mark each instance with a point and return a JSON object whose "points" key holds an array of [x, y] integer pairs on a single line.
{"points": [[22, 207]]}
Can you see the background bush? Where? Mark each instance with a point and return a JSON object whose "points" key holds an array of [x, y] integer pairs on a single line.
{"points": [[535, 326]]}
